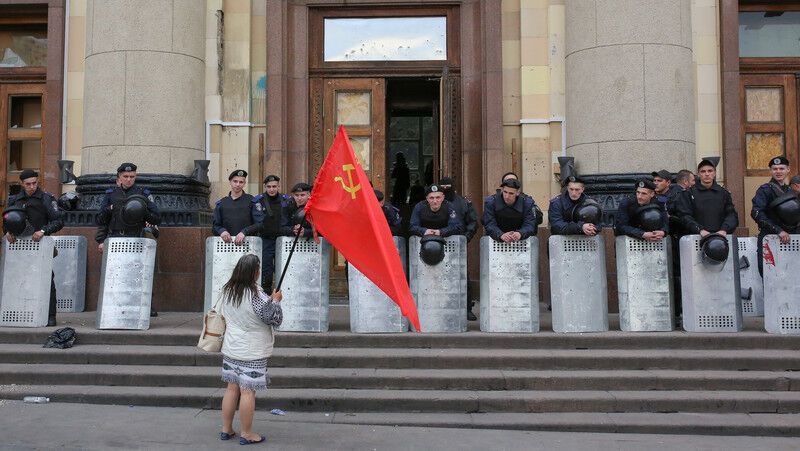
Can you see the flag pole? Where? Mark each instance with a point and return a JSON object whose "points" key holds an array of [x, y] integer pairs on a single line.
{"points": [[299, 214]]}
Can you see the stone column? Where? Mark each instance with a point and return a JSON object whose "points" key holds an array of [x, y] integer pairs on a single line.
{"points": [[144, 86], [629, 95]]}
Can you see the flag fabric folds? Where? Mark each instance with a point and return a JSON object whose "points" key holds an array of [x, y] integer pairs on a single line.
{"points": [[344, 209]]}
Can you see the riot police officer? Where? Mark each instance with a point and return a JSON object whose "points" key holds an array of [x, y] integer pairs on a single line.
{"points": [[664, 188], [294, 224], [707, 207], [766, 205], [126, 210], [234, 213], [268, 208], [563, 220], [435, 216], [509, 215], [794, 184], [391, 213], [463, 207], [642, 215], [43, 218]]}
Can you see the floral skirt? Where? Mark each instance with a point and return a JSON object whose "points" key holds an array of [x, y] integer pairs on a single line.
{"points": [[247, 374]]}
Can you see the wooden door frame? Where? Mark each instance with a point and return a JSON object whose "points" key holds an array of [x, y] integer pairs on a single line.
{"points": [[290, 107], [52, 76], [20, 89]]}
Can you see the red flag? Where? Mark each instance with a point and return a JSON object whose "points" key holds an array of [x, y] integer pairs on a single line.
{"points": [[343, 207]]}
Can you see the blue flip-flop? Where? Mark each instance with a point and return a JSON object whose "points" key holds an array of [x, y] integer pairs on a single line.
{"points": [[244, 441], [226, 435]]}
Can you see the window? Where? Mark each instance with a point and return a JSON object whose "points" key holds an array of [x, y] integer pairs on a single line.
{"points": [[23, 47], [385, 39], [769, 34]]}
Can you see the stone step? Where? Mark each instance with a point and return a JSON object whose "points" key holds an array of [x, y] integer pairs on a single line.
{"points": [[408, 379], [452, 401], [531, 359]]}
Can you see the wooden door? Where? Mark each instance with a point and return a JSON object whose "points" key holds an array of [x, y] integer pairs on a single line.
{"points": [[21, 138], [769, 120], [360, 105]]}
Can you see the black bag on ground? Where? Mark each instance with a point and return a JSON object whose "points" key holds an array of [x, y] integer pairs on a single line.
{"points": [[62, 338]]}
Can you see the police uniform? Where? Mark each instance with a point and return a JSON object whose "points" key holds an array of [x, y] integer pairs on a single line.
{"points": [[768, 223], [268, 211], [43, 215], [392, 215], [445, 220], [234, 215], [711, 209], [290, 220], [109, 221], [499, 217], [463, 207], [560, 214], [627, 219]]}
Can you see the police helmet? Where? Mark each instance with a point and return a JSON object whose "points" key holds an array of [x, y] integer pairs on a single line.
{"points": [[787, 209], [431, 249], [134, 210], [714, 250], [69, 200], [14, 220], [589, 211], [650, 218]]}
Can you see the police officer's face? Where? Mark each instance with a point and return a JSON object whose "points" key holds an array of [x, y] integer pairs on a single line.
{"points": [[272, 188], [574, 190], [435, 200], [779, 172], [510, 195], [662, 185], [126, 179], [237, 184], [30, 184], [707, 175], [644, 195], [301, 197]]}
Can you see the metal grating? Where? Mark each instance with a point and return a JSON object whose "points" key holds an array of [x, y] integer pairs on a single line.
{"points": [[127, 247], [450, 246], [16, 316], [65, 304], [748, 307], [580, 245], [697, 245], [790, 323], [66, 243], [223, 247], [791, 246], [742, 246], [715, 321], [516, 246], [24, 245], [645, 246], [303, 245]]}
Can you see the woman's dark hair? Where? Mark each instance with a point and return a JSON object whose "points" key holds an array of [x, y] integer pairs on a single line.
{"points": [[242, 280]]}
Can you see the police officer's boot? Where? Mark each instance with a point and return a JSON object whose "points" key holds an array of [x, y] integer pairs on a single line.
{"points": [[153, 312], [471, 316], [51, 316]]}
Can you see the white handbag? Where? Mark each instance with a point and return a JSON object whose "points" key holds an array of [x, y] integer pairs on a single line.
{"points": [[213, 330]]}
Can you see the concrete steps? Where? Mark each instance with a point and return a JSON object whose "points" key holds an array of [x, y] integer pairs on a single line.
{"points": [[745, 383]]}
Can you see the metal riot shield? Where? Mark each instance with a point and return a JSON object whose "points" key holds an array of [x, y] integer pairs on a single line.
{"points": [[440, 291], [69, 268], [578, 286], [27, 267], [305, 287], [509, 285], [221, 258], [126, 283], [644, 282], [711, 295], [371, 311], [752, 285], [781, 285]]}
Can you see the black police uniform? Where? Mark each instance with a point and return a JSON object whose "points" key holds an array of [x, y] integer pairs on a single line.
{"points": [[465, 211], [289, 221], [392, 215], [672, 191], [43, 215], [268, 211], [445, 220], [109, 221], [711, 209], [234, 215], [768, 223], [560, 214], [499, 217], [627, 219]]}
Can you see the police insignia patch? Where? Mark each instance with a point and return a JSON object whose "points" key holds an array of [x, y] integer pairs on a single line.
{"points": [[55, 205], [434, 188], [452, 214], [641, 184], [258, 206], [776, 161], [150, 198], [128, 169]]}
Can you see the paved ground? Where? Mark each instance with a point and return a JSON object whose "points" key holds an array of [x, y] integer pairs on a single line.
{"points": [[74, 426]]}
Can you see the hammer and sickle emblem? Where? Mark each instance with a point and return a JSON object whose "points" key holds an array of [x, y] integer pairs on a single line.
{"points": [[350, 189]]}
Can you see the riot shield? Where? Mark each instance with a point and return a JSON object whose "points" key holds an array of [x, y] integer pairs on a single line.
{"points": [[781, 285], [440, 291], [221, 258], [69, 268], [752, 285], [578, 286], [305, 286], [126, 283], [509, 285], [27, 267], [644, 283], [371, 311]]}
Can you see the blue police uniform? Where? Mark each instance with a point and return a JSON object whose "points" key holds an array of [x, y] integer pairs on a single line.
{"points": [[499, 217], [392, 215], [234, 215], [560, 214], [268, 217], [627, 222], [445, 220], [109, 221], [767, 222]]}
